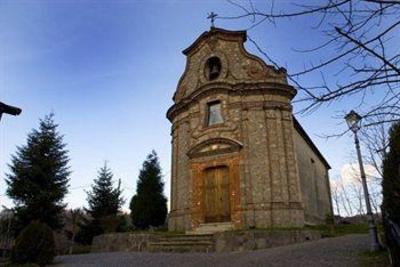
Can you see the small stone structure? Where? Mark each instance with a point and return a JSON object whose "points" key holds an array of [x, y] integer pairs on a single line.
{"points": [[238, 154]]}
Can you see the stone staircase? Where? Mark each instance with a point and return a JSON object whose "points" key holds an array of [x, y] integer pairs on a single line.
{"points": [[199, 240], [182, 243], [211, 228]]}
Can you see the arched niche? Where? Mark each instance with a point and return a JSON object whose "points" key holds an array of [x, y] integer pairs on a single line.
{"points": [[214, 146]]}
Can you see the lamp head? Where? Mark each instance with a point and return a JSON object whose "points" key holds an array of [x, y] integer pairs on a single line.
{"points": [[11, 110], [353, 120]]}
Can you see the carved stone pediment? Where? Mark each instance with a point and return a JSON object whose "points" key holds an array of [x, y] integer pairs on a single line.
{"points": [[213, 147], [237, 64]]}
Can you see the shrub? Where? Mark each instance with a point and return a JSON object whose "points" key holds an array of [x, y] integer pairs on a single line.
{"points": [[35, 244], [329, 219], [109, 224], [124, 224], [112, 224], [88, 230]]}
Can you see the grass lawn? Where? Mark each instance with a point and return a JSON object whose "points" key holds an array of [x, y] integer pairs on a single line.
{"points": [[375, 259], [340, 229], [326, 230]]}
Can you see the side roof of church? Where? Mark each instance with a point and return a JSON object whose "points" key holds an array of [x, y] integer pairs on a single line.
{"points": [[308, 140]]}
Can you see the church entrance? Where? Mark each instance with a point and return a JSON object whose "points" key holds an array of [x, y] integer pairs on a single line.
{"points": [[216, 194]]}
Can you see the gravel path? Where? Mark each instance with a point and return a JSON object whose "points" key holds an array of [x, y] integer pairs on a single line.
{"points": [[339, 251]]}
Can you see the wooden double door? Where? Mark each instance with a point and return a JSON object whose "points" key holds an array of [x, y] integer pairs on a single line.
{"points": [[216, 194]]}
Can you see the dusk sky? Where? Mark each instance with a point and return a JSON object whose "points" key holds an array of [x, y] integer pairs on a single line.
{"points": [[109, 69]]}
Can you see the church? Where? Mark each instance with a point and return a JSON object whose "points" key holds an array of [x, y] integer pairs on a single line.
{"points": [[240, 159]]}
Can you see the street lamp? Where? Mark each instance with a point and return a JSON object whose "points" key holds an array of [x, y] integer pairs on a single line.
{"points": [[11, 110], [354, 122]]}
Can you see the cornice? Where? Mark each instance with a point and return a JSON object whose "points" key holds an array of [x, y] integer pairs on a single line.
{"points": [[243, 88]]}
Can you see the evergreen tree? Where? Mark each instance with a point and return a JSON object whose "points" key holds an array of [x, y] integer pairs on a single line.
{"points": [[391, 191], [149, 205], [38, 178], [104, 203], [104, 200]]}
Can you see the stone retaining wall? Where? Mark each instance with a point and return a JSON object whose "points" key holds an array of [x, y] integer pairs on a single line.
{"points": [[261, 239], [122, 242], [223, 242]]}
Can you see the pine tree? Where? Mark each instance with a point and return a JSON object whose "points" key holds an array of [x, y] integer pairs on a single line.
{"points": [[104, 202], [391, 191], [38, 178], [149, 205]]}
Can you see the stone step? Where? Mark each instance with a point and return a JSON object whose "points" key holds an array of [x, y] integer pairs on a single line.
{"points": [[211, 228], [185, 238], [181, 246], [173, 248], [216, 223], [182, 243], [168, 243]]}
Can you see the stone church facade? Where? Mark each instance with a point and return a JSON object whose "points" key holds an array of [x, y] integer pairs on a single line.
{"points": [[238, 154]]}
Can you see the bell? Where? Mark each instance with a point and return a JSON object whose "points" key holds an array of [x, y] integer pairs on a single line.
{"points": [[214, 71]]}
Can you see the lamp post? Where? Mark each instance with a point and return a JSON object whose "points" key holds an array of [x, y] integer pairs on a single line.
{"points": [[354, 122]]}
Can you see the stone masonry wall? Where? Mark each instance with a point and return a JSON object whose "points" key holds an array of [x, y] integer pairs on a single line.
{"points": [[269, 190], [314, 181], [272, 185]]}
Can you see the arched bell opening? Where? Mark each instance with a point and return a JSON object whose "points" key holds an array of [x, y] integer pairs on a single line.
{"points": [[213, 68]]}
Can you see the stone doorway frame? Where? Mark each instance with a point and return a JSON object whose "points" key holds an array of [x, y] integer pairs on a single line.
{"points": [[197, 167]]}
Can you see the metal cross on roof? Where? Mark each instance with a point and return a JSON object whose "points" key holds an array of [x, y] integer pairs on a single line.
{"points": [[212, 17]]}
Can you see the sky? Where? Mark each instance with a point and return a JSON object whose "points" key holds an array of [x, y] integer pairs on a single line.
{"points": [[109, 69]]}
